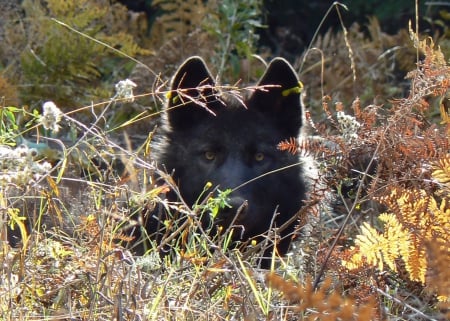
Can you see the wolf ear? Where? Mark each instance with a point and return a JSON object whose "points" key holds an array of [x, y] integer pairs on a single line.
{"points": [[192, 95], [279, 96]]}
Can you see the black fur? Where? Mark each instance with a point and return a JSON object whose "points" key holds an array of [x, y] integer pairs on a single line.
{"points": [[211, 137]]}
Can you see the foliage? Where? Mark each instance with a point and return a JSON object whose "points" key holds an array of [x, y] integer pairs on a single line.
{"points": [[239, 21], [223, 32], [387, 160], [61, 63], [418, 220], [178, 18], [8, 125], [9, 92], [397, 159], [377, 59], [324, 303]]}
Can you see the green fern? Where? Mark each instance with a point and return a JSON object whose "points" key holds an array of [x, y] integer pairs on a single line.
{"points": [[65, 65]]}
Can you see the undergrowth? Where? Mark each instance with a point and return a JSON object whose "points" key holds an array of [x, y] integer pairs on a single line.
{"points": [[71, 192], [389, 169]]}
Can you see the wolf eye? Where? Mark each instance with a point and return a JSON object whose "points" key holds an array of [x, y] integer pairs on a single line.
{"points": [[259, 157], [210, 155]]}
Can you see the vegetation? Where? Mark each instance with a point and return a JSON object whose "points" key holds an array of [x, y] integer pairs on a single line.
{"points": [[77, 174]]}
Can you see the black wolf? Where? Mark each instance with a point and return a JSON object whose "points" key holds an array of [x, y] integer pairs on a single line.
{"points": [[232, 143]]}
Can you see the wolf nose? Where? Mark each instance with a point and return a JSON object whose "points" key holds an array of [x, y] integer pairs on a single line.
{"points": [[238, 208]]}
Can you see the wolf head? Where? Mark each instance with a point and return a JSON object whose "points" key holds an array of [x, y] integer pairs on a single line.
{"points": [[232, 143]]}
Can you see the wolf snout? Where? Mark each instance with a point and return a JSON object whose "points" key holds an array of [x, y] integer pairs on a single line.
{"points": [[236, 211]]}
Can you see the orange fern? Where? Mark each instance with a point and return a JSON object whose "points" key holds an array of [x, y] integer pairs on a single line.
{"points": [[323, 304]]}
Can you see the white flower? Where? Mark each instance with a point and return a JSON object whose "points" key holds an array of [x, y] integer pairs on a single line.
{"points": [[348, 126], [124, 89], [17, 166], [51, 116]]}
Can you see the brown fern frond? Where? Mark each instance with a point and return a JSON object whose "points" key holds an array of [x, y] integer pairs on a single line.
{"points": [[324, 303], [290, 145], [327, 110], [432, 77], [356, 106], [306, 146]]}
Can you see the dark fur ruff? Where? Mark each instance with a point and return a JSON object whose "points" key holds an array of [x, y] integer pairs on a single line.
{"points": [[209, 137]]}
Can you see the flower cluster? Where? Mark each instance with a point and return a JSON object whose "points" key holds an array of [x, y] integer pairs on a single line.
{"points": [[17, 166], [124, 90], [348, 125], [51, 116]]}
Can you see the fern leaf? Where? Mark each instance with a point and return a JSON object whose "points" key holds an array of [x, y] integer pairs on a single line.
{"points": [[399, 239], [416, 263], [441, 171], [290, 145], [380, 249], [416, 219], [322, 304], [372, 245], [356, 261]]}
